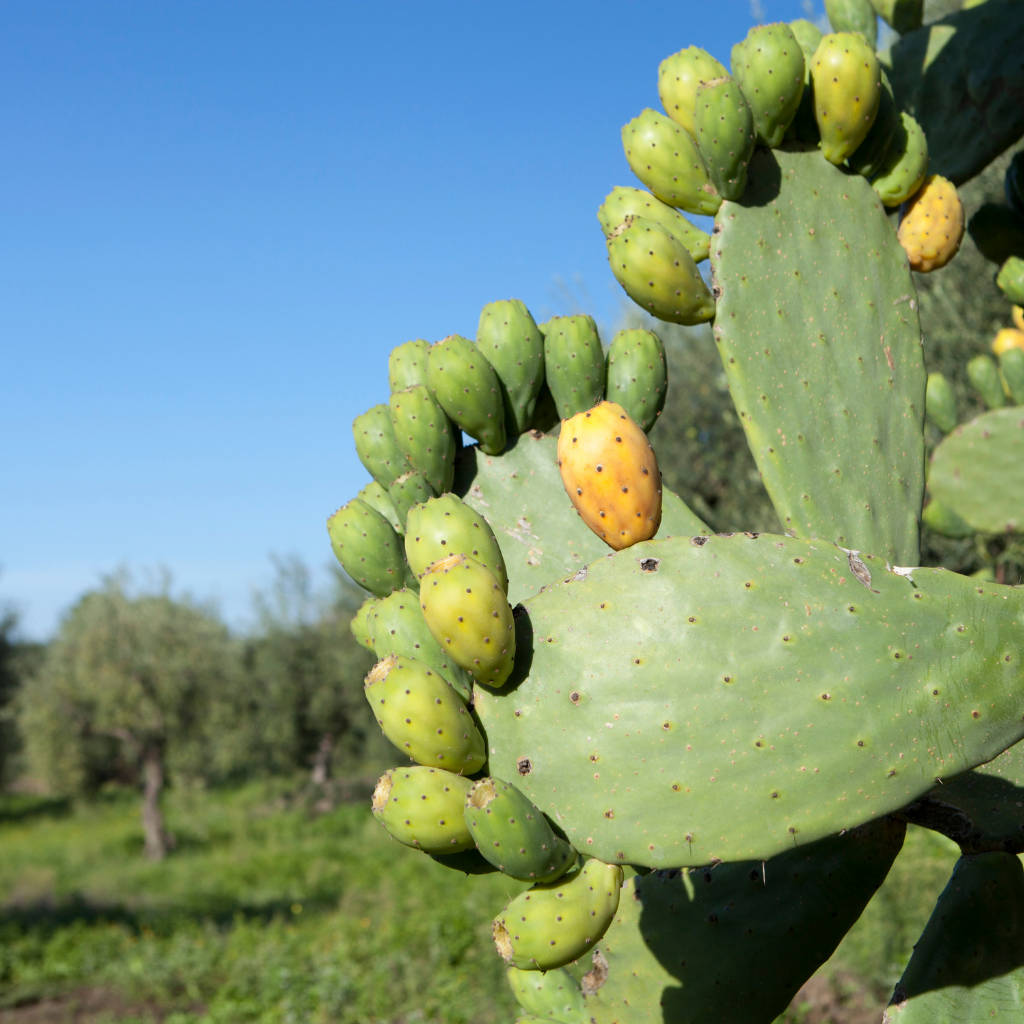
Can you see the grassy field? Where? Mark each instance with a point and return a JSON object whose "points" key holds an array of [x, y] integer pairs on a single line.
{"points": [[267, 912]]}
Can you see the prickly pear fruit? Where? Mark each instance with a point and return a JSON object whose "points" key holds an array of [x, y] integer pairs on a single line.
{"points": [[396, 626], [425, 434], [1017, 315], [1010, 279], [901, 15], [1011, 366], [637, 375], [905, 166], [658, 273], [768, 66], [932, 225], [678, 78], [552, 924], [883, 136], [407, 364], [465, 607], [379, 499], [422, 807], [664, 156], [420, 712], [611, 474], [983, 374], [367, 547], [847, 83], [448, 526], [467, 388], [853, 16], [573, 363], [513, 834], [377, 446], [409, 489], [512, 343], [549, 995], [360, 623], [623, 202], [725, 134], [940, 402]]}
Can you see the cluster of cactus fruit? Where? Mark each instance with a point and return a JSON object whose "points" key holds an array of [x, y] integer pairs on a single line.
{"points": [[698, 754]]}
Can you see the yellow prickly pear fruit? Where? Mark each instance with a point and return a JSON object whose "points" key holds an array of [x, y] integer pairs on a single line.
{"points": [[932, 225], [1018, 317], [611, 474], [1007, 338]]}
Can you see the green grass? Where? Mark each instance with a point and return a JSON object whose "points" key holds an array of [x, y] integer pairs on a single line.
{"points": [[268, 913]]}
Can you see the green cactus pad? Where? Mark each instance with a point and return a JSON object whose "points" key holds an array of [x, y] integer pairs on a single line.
{"points": [[573, 363], [623, 202], [963, 79], [976, 471], [467, 388], [521, 495], [407, 364], [968, 965], [818, 331], [637, 374], [735, 942], [425, 434], [844, 689], [367, 547]]}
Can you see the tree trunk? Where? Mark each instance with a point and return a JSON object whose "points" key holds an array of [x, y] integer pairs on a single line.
{"points": [[322, 761], [157, 840]]}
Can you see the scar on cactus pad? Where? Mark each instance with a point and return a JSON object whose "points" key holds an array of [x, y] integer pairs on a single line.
{"points": [[611, 474]]}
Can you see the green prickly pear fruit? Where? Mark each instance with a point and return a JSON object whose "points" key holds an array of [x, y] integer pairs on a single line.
{"points": [[658, 273], [547, 995], [448, 526], [664, 156], [512, 343], [554, 923], [396, 626], [847, 82], [611, 475], [932, 225], [623, 202], [426, 435], [409, 489], [886, 136], [407, 364], [804, 127], [1010, 279], [725, 134], [678, 78], [422, 807], [901, 15], [637, 375], [905, 167], [940, 402], [465, 607], [513, 834], [467, 388], [1011, 366], [983, 374], [853, 16], [367, 547], [360, 623], [377, 446], [768, 65], [573, 363], [379, 499], [939, 518], [420, 712]]}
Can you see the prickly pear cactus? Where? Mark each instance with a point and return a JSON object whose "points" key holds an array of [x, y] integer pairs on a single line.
{"points": [[700, 752]]}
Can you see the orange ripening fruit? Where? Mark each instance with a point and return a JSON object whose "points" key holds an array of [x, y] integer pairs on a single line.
{"points": [[932, 225], [611, 475], [1007, 338]]}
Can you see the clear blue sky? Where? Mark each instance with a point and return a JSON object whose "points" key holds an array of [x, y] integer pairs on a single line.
{"points": [[219, 218]]}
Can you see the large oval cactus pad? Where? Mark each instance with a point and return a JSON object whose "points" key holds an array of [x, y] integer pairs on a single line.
{"points": [[817, 327], [542, 538], [731, 697]]}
